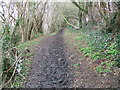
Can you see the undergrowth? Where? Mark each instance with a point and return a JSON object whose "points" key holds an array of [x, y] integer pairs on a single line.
{"points": [[24, 68], [100, 46]]}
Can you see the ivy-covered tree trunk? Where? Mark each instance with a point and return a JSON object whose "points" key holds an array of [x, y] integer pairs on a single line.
{"points": [[118, 17], [1, 61], [114, 22], [80, 17]]}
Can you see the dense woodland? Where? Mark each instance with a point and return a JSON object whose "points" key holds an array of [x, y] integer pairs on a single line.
{"points": [[99, 23]]}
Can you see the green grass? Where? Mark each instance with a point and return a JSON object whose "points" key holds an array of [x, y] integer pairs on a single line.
{"points": [[79, 43], [32, 42], [28, 44], [78, 38]]}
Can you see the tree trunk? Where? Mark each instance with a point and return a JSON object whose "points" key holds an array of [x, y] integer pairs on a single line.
{"points": [[30, 31]]}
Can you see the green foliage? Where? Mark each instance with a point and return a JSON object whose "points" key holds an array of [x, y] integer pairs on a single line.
{"points": [[106, 66], [78, 38], [105, 47], [52, 34], [79, 43], [104, 44], [77, 74], [76, 65], [100, 47], [7, 56], [101, 69], [96, 55], [27, 44], [87, 49], [12, 57], [19, 80], [90, 51]]}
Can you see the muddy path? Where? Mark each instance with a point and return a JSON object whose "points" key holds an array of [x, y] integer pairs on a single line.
{"points": [[53, 66], [50, 66]]}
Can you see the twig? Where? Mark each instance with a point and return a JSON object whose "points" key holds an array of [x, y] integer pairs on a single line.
{"points": [[70, 23], [12, 73], [67, 20]]}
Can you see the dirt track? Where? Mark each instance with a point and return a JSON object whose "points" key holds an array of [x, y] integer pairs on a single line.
{"points": [[50, 67], [53, 67]]}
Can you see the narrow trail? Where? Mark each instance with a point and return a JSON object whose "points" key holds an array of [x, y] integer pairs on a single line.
{"points": [[53, 67], [50, 67]]}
